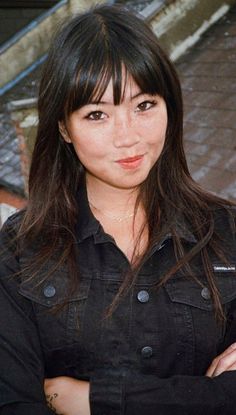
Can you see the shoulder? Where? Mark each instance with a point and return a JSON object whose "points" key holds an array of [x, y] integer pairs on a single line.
{"points": [[9, 230], [13, 221], [225, 219], [9, 261], [224, 231]]}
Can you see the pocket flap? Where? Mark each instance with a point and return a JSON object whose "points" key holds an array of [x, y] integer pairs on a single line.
{"points": [[189, 292], [53, 290]]}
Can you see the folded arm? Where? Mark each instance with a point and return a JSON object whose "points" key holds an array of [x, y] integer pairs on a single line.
{"points": [[177, 395]]}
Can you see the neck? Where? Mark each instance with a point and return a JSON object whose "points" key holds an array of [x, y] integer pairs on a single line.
{"points": [[109, 198]]}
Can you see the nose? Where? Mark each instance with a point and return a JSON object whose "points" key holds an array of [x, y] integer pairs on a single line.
{"points": [[125, 134]]}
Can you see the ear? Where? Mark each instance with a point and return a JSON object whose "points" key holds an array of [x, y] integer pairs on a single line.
{"points": [[64, 132]]}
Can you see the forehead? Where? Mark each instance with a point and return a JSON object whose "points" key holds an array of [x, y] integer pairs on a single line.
{"points": [[129, 89], [110, 83]]}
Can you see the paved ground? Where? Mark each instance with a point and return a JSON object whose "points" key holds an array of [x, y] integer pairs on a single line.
{"points": [[208, 77]]}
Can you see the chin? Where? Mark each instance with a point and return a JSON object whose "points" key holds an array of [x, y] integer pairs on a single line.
{"points": [[129, 184]]}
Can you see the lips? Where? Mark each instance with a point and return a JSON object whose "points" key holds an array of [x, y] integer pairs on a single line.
{"points": [[130, 163], [130, 159]]}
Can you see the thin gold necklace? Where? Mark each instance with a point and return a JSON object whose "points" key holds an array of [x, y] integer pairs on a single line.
{"points": [[113, 217]]}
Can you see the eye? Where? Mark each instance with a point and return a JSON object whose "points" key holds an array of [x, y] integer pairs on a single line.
{"points": [[95, 115], [146, 105]]}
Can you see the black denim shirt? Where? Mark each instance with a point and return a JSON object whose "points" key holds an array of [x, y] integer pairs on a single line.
{"points": [[149, 358]]}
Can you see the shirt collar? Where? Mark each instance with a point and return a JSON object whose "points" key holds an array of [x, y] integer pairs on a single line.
{"points": [[88, 225]]}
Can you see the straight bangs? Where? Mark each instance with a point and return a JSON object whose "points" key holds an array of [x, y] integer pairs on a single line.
{"points": [[116, 61]]}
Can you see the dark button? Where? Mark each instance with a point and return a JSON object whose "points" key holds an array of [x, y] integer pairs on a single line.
{"points": [[146, 351], [143, 296], [49, 291], [205, 293]]}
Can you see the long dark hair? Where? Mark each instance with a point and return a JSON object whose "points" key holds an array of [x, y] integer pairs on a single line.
{"points": [[89, 51]]}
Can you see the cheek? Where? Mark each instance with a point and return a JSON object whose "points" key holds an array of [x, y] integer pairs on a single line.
{"points": [[89, 151], [156, 135], [154, 127]]}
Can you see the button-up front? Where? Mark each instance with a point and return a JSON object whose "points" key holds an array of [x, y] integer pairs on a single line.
{"points": [[49, 291], [205, 293], [146, 351], [143, 296], [148, 358]]}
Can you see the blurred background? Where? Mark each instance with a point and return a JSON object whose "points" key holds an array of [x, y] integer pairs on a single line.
{"points": [[199, 36]]}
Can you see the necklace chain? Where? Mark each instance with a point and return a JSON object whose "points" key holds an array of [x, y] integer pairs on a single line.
{"points": [[113, 217]]}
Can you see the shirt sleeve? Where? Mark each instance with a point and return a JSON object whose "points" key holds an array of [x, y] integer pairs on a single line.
{"points": [[21, 360], [179, 395], [139, 394]]}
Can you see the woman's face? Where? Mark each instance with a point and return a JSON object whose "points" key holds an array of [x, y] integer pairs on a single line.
{"points": [[119, 144]]}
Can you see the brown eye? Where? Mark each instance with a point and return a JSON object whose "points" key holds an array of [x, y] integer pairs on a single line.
{"points": [[95, 115], [146, 105]]}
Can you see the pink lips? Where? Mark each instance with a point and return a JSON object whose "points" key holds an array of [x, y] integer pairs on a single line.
{"points": [[131, 162]]}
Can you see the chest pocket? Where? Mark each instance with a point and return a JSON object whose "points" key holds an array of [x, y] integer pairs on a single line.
{"points": [[189, 292], [59, 321], [199, 334]]}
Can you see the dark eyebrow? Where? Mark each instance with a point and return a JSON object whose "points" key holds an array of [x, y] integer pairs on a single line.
{"points": [[107, 103], [137, 95]]}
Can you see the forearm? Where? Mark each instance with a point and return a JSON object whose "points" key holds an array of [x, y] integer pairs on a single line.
{"points": [[121, 391], [178, 395], [67, 396], [26, 409]]}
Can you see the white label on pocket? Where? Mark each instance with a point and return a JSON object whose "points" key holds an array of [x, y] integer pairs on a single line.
{"points": [[224, 268]]}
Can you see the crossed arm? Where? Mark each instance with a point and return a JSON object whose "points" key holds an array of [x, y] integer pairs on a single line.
{"points": [[68, 396]]}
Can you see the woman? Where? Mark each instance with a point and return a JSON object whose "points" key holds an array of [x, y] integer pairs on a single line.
{"points": [[118, 286]]}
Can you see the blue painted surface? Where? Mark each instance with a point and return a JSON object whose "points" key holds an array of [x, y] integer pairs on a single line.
{"points": [[22, 75]]}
